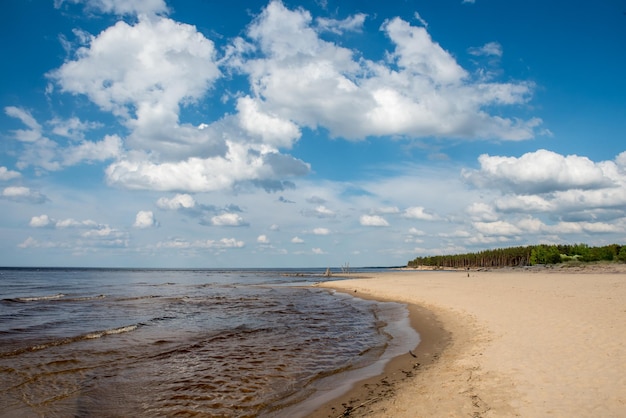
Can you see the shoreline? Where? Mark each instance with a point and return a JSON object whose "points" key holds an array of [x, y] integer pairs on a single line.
{"points": [[545, 342], [433, 340]]}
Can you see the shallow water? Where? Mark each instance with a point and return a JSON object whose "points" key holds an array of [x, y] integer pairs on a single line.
{"points": [[237, 343]]}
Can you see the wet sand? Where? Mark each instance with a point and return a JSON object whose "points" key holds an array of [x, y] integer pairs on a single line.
{"points": [[501, 343]]}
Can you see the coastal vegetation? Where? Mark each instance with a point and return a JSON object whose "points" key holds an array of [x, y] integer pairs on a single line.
{"points": [[525, 256]]}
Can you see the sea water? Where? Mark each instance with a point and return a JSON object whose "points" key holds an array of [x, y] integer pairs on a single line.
{"points": [[227, 343]]}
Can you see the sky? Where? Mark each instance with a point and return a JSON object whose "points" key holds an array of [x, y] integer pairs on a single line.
{"points": [[197, 133]]}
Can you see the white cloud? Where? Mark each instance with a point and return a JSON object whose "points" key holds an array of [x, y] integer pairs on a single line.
{"points": [[490, 48], [72, 128], [227, 219], [142, 73], [202, 175], [480, 211], [22, 194], [297, 240], [45, 221], [223, 243], [497, 228], [323, 212], [350, 24], [373, 220], [418, 212], [110, 147], [180, 201], [429, 94], [524, 204], [321, 231], [262, 239], [73, 223], [6, 174], [41, 151], [33, 133], [144, 219], [31, 242], [318, 251], [106, 235], [40, 221], [145, 72], [271, 129], [541, 171]]}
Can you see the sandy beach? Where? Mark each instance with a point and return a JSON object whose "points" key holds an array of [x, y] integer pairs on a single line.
{"points": [[501, 343]]}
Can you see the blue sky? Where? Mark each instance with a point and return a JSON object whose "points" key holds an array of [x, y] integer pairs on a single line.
{"points": [[307, 133]]}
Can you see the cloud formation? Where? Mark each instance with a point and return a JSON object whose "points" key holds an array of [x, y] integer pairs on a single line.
{"points": [[541, 171], [144, 219], [146, 73]]}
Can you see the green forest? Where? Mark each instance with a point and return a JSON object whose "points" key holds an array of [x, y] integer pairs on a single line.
{"points": [[525, 256]]}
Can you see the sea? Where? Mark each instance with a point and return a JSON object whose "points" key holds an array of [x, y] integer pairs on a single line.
{"points": [[207, 342]]}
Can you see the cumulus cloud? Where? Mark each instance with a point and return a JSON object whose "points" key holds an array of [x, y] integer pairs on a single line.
{"points": [[143, 73], [320, 211], [418, 212], [541, 171], [6, 174], [146, 72], [263, 239], [46, 221], [22, 194], [480, 211], [202, 175], [321, 231], [547, 193], [40, 221], [269, 128], [228, 219], [144, 219], [180, 201], [373, 220], [314, 83], [531, 225], [497, 228], [110, 147], [73, 223], [297, 240]]}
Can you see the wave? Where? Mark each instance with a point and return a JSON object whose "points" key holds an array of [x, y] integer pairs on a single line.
{"points": [[59, 297], [36, 298], [70, 340], [85, 298]]}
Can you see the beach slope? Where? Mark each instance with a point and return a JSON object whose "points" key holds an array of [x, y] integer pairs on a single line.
{"points": [[535, 343]]}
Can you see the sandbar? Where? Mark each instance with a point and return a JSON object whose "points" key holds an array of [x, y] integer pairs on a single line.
{"points": [[500, 343]]}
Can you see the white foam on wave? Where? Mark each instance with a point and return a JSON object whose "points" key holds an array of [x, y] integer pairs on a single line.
{"points": [[104, 333], [38, 298]]}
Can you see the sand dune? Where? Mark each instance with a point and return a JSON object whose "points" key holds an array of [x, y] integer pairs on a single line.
{"points": [[523, 343]]}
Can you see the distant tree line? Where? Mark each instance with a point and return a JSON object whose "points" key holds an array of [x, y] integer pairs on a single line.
{"points": [[524, 256]]}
